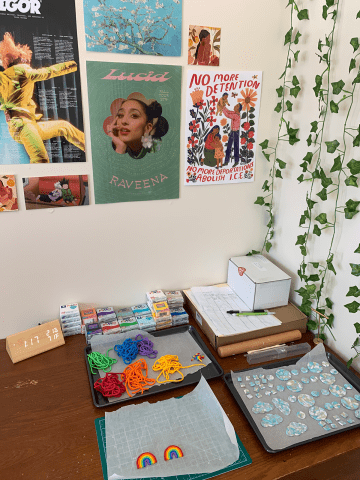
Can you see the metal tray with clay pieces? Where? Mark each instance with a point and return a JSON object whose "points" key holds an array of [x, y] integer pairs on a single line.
{"points": [[212, 370], [313, 411]]}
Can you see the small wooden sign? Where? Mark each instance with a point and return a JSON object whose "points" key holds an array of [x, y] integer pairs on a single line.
{"points": [[35, 340]]}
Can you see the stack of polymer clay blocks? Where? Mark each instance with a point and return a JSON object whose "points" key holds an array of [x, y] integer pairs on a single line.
{"points": [[176, 304], [108, 320], [157, 303], [70, 319]]}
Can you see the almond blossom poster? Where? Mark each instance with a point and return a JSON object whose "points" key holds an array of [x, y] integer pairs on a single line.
{"points": [[222, 112]]}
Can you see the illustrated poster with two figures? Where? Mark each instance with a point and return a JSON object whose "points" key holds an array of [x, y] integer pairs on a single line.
{"points": [[222, 112]]}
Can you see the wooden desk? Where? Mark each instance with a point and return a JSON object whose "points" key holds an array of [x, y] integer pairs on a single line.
{"points": [[47, 426]]}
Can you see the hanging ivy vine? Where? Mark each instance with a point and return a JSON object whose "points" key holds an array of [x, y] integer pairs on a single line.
{"points": [[286, 133], [354, 307]]}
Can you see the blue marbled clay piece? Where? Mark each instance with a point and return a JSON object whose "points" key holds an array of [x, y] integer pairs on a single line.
{"points": [[262, 407], [333, 425], [256, 377], [270, 385], [325, 392], [328, 420], [270, 420], [317, 413], [283, 374], [281, 405], [327, 378], [348, 386], [294, 372], [239, 379], [280, 388], [327, 428], [256, 389], [336, 404], [258, 395], [306, 400], [295, 429], [301, 415], [246, 391], [322, 423], [314, 367], [337, 391], [328, 406], [270, 377], [261, 375], [349, 403], [357, 413], [304, 370], [264, 380], [292, 398], [313, 378], [344, 414], [334, 371], [294, 386], [357, 397], [305, 380], [252, 384], [314, 393], [325, 364], [350, 420]]}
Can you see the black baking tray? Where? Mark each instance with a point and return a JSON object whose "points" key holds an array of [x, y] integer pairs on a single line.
{"points": [[340, 367], [213, 370]]}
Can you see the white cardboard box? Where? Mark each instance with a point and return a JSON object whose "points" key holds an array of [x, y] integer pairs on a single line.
{"points": [[258, 282]]}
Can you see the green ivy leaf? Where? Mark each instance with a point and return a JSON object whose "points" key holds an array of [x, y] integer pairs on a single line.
{"points": [[253, 252], [297, 38], [354, 166], [301, 239], [294, 92], [264, 144], [302, 219], [278, 174], [309, 141], [337, 87], [354, 42], [302, 292], [278, 107], [289, 105], [282, 164], [357, 328], [331, 267], [267, 156], [326, 181], [266, 186], [329, 3], [352, 205], [300, 178], [358, 14], [314, 126], [268, 245], [322, 194], [317, 230], [352, 64], [358, 249], [357, 78], [259, 201], [330, 320], [334, 107], [296, 55], [316, 174], [303, 14], [304, 166], [324, 12], [353, 292], [353, 306], [332, 146], [295, 81], [311, 289], [288, 36], [337, 165], [308, 157], [303, 251], [315, 264], [328, 302], [312, 325], [349, 362], [314, 277], [322, 218], [310, 203], [355, 269], [356, 141], [320, 45], [351, 181], [280, 91]]}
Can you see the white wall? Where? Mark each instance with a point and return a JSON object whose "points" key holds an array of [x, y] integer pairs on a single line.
{"points": [[55, 257]]}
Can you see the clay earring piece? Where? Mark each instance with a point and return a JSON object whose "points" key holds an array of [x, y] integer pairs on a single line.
{"points": [[172, 452], [145, 459]]}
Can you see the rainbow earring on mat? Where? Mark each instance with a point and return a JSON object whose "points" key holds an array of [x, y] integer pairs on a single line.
{"points": [[145, 460], [172, 452]]}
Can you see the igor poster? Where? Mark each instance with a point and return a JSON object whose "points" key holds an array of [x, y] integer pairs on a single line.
{"points": [[135, 115], [40, 98], [221, 130]]}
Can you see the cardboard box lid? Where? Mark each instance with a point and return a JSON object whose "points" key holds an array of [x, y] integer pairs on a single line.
{"points": [[259, 269]]}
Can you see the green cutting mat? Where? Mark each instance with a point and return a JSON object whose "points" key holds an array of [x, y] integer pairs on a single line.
{"points": [[244, 457]]}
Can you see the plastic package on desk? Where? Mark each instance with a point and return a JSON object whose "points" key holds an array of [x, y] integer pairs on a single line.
{"points": [[277, 353]]}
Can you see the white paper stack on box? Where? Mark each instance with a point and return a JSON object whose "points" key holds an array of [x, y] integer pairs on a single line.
{"points": [[70, 319], [106, 314]]}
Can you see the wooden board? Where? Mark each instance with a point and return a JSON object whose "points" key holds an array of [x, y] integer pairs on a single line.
{"points": [[35, 340]]}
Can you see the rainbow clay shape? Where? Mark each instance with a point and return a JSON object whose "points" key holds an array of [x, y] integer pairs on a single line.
{"points": [[172, 452], [145, 459]]}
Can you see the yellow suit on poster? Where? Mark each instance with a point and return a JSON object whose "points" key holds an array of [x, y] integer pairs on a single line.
{"points": [[16, 95]]}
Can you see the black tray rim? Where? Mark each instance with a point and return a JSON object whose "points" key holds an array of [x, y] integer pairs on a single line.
{"points": [[335, 362], [189, 379]]}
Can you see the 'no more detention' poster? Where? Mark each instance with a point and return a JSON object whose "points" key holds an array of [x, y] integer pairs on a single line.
{"points": [[222, 112], [135, 112]]}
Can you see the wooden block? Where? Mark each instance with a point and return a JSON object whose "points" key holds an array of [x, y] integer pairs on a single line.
{"points": [[35, 340]]}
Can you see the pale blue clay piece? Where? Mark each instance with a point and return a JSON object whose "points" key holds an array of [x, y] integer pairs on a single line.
{"points": [[301, 415], [325, 364], [267, 392], [357, 397], [247, 379], [328, 420], [274, 392], [337, 391], [344, 414], [256, 377], [281, 405], [264, 380], [246, 391], [239, 379], [348, 386], [270, 420], [350, 420], [305, 380], [314, 367], [262, 407], [295, 372], [313, 378], [306, 400], [357, 413], [314, 393], [294, 386], [341, 422], [270, 377], [280, 388], [336, 404], [292, 398], [252, 384], [258, 395], [329, 406], [350, 403], [333, 425], [262, 387], [283, 374], [317, 413], [295, 429], [270, 385], [337, 418], [325, 392], [261, 375], [322, 423], [334, 371], [256, 389], [327, 428], [304, 370], [257, 382], [327, 378], [249, 396]]}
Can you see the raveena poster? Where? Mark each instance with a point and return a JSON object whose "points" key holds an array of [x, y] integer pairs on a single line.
{"points": [[222, 112], [135, 112], [40, 97]]}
